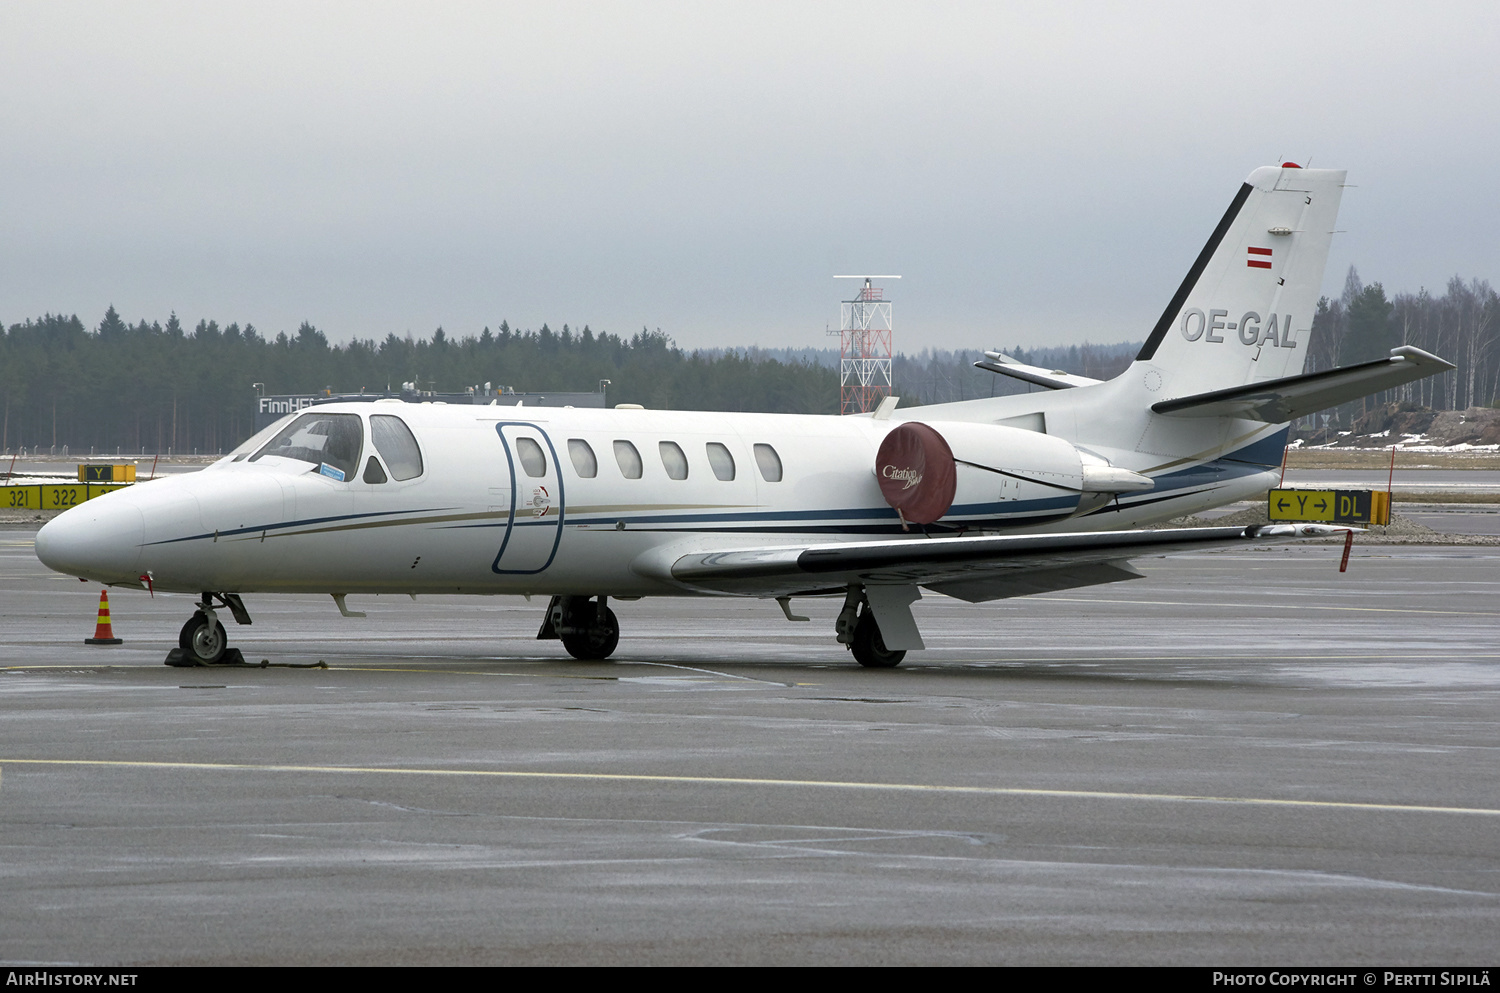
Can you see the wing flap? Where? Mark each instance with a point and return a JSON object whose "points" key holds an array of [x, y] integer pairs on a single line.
{"points": [[981, 568], [1039, 581]]}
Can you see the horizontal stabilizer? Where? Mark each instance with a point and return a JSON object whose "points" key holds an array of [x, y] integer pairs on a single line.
{"points": [[1277, 401], [1052, 379], [978, 568]]}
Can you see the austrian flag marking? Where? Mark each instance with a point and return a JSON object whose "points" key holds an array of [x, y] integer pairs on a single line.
{"points": [[1259, 263]]}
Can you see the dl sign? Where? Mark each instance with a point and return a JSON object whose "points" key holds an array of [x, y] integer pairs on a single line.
{"points": [[1330, 506]]}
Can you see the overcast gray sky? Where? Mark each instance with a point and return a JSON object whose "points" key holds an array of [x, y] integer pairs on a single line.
{"points": [[1038, 173]]}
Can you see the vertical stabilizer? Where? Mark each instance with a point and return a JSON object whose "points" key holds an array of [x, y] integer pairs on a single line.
{"points": [[1245, 310]]}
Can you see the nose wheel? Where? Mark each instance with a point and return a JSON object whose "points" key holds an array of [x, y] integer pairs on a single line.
{"points": [[202, 640]]}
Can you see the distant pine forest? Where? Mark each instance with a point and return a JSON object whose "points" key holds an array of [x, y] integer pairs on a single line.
{"points": [[157, 387]]}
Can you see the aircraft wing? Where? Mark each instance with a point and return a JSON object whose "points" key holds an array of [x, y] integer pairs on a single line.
{"points": [[1052, 379], [1277, 401], [974, 569]]}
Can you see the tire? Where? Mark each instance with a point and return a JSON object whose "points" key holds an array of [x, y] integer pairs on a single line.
{"points": [[202, 644], [869, 648], [597, 641]]}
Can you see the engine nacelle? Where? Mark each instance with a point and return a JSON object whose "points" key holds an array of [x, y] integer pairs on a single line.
{"points": [[958, 471]]}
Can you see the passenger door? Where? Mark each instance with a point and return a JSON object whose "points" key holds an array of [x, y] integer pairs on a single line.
{"points": [[534, 527]]}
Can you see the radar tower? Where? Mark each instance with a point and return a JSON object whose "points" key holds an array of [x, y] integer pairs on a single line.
{"points": [[864, 347]]}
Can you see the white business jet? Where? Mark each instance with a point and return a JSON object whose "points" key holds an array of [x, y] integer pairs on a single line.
{"points": [[978, 500]]}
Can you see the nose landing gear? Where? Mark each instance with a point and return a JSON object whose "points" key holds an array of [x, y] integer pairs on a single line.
{"points": [[202, 640]]}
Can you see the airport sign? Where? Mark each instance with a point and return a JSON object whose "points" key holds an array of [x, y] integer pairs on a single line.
{"points": [[1330, 506]]}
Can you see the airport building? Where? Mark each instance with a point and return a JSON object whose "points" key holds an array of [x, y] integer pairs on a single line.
{"points": [[270, 408]]}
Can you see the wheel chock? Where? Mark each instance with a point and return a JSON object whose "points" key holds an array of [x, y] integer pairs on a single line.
{"points": [[235, 659], [232, 657]]}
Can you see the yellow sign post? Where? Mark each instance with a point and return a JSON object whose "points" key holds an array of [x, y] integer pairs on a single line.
{"points": [[107, 473], [21, 497], [53, 496], [1330, 506]]}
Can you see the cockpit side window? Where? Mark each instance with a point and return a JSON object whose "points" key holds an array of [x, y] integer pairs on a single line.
{"points": [[396, 444], [330, 442]]}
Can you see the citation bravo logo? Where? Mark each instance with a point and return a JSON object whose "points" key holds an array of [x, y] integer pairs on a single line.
{"points": [[1474, 977], [909, 476]]}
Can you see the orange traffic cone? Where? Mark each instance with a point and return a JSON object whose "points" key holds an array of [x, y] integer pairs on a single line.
{"points": [[103, 633]]}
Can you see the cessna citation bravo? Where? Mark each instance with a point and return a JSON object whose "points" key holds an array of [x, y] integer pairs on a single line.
{"points": [[979, 500]]}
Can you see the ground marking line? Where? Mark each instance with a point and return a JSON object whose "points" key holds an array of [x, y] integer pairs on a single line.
{"points": [[754, 781], [712, 672]]}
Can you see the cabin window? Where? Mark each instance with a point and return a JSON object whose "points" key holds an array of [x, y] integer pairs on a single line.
{"points": [[330, 442], [373, 472], [533, 460], [394, 441], [629, 459], [582, 455], [721, 461], [769, 463], [673, 460]]}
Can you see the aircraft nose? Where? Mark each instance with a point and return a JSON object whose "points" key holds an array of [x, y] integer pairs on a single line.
{"points": [[100, 540]]}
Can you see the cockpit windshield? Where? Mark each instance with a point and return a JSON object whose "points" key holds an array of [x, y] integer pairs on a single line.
{"points": [[331, 443], [253, 444]]}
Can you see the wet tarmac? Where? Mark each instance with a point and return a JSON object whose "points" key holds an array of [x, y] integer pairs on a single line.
{"points": [[1246, 758], [1478, 481]]}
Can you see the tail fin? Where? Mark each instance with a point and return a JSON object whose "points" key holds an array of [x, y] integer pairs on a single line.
{"points": [[1245, 310]]}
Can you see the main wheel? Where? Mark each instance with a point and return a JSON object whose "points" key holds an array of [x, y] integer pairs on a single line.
{"points": [[869, 648], [201, 641], [597, 641]]}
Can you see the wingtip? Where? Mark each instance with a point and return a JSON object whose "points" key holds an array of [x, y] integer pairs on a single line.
{"points": [[1298, 530]]}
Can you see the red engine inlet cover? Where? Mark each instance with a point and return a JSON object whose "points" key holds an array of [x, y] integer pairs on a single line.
{"points": [[916, 472]]}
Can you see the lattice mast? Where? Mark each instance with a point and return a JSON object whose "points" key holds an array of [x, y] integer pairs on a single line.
{"points": [[864, 347]]}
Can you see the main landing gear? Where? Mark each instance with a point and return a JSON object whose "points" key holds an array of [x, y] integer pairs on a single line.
{"points": [[856, 630], [587, 628], [202, 640]]}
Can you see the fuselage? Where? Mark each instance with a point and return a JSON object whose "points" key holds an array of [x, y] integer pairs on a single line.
{"points": [[512, 500]]}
